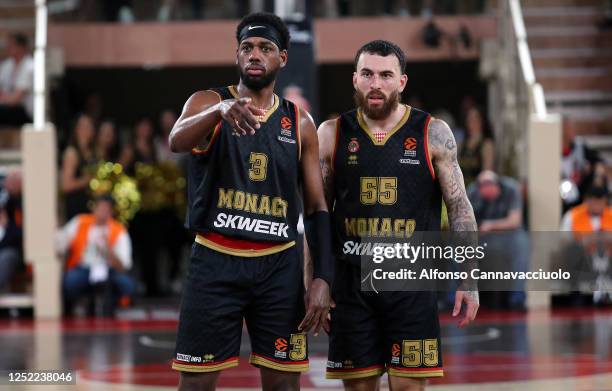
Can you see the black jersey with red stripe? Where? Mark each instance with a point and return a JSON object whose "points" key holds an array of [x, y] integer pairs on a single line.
{"points": [[384, 187], [247, 187]]}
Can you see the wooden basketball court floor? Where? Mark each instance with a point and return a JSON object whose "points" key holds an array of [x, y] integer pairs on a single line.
{"points": [[540, 351]]}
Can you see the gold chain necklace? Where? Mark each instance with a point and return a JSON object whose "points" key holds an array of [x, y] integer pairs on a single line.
{"points": [[265, 111]]}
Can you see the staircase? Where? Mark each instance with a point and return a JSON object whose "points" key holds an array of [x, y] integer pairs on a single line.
{"points": [[572, 57]]}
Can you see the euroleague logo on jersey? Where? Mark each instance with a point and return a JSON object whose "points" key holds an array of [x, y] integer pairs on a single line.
{"points": [[286, 123], [410, 145]]}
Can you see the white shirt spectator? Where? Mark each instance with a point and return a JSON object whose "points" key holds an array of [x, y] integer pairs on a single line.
{"points": [[14, 77]]}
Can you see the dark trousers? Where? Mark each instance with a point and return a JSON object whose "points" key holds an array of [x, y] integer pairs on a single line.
{"points": [[76, 284], [13, 116]]}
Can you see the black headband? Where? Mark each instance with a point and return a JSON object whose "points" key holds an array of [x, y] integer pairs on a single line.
{"points": [[262, 30]]}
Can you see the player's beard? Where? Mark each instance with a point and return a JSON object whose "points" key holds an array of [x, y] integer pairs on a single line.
{"points": [[259, 82], [390, 103]]}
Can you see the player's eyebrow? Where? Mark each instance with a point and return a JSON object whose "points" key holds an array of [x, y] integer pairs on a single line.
{"points": [[383, 72]]}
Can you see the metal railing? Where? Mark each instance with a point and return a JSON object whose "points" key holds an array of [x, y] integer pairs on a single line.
{"points": [[520, 96]]}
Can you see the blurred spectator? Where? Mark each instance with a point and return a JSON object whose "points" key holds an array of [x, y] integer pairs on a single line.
{"points": [[144, 228], [77, 157], [141, 149], [580, 167], [408, 7], [173, 234], [167, 10], [197, 9], [94, 107], [99, 254], [107, 142], [16, 83], [592, 215], [11, 234], [166, 121], [294, 94], [498, 209], [118, 10], [476, 153], [590, 248]]}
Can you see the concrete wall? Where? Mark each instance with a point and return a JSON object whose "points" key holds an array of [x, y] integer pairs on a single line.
{"points": [[213, 43]]}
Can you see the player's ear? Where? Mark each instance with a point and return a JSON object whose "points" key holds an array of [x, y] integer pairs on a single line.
{"points": [[403, 82], [355, 80], [284, 57], [236, 56]]}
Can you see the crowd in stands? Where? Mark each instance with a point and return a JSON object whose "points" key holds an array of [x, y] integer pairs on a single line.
{"points": [[16, 82], [155, 226], [129, 11], [117, 256]]}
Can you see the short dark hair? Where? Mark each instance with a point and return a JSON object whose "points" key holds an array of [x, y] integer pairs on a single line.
{"points": [[20, 39], [383, 48], [596, 191], [266, 18], [105, 198]]}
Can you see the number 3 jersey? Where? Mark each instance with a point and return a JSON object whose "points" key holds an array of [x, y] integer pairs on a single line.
{"points": [[246, 187], [384, 185]]}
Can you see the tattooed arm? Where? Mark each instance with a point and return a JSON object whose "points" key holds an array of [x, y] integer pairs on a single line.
{"points": [[460, 213], [327, 145]]}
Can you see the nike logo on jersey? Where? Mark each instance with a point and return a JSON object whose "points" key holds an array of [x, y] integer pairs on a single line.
{"points": [[248, 224]]}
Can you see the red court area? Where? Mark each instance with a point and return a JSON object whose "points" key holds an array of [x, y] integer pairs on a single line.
{"points": [[498, 348]]}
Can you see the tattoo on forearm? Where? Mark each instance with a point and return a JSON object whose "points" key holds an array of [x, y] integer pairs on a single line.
{"points": [[328, 185], [460, 213]]}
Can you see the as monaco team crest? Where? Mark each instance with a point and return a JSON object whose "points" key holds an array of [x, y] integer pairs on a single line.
{"points": [[353, 146]]}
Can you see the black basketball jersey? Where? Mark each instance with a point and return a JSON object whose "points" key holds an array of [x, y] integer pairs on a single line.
{"points": [[247, 187], [384, 188]]}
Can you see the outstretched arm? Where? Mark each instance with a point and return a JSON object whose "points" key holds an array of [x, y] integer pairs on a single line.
{"points": [[317, 229], [203, 111], [460, 213]]}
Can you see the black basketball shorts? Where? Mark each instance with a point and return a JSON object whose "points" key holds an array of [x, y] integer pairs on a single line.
{"points": [[371, 332], [222, 291]]}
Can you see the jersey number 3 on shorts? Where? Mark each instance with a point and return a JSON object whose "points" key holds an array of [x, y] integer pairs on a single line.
{"points": [[298, 342]]}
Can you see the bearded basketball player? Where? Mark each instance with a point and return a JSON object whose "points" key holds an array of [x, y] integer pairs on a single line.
{"points": [[393, 164], [251, 152]]}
